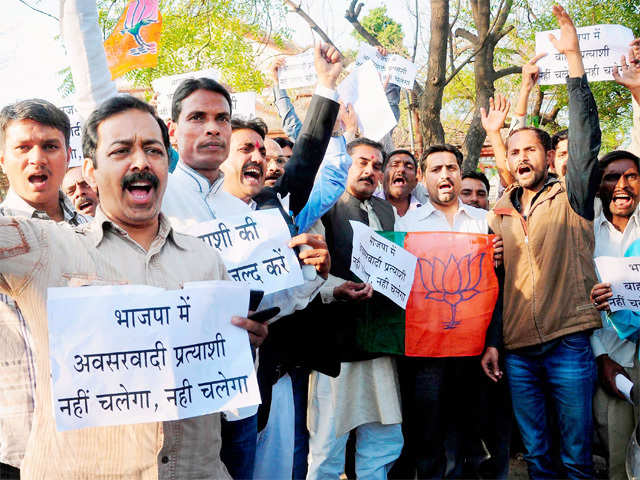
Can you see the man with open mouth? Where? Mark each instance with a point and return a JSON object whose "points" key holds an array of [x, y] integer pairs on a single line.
{"points": [[276, 161], [34, 136], [400, 181], [76, 188]]}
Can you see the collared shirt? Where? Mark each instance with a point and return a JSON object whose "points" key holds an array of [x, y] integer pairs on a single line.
{"points": [[189, 191], [17, 367], [610, 242], [35, 255], [428, 218]]}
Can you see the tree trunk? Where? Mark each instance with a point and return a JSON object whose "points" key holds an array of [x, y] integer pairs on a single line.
{"points": [[431, 98]]}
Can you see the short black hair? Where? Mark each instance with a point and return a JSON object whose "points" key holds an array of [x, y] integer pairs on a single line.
{"points": [[400, 151], [283, 142], [256, 124], [478, 176], [558, 137], [440, 147], [37, 110], [190, 85], [109, 108], [367, 141], [618, 155], [543, 137]]}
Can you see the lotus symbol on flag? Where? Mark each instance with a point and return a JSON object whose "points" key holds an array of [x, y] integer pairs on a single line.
{"points": [[452, 283]]}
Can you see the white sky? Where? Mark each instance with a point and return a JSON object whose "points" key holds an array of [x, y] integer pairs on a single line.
{"points": [[31, 57]]}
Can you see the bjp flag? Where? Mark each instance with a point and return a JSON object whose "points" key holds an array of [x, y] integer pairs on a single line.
{"points": [[451, 302], [134, 41]]}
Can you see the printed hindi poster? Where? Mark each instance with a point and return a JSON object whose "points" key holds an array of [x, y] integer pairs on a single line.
{"points": [[623, 273], [601, 47], [135, 41], [133, 354], [254, 248], [75, 140], [386, 266], [363, 89], [451, 302], [298, 71], [399, 70]]}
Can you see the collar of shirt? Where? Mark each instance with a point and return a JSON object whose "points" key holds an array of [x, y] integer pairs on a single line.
{"points": [[516, 193], [17, 205], [198, 182], [429, 209], [101, 224], [609, 240]]}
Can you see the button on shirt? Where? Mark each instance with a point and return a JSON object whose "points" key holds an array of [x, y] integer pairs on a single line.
{"points": [[427, 218], [610, 242], [35, 255], [17, 367]]}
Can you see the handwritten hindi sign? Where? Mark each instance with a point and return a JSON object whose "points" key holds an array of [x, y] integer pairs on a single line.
{"points": [[135, 354], [243, 105], [254, 247], [75, 140], [363, 89], [601, 47], [623, 273], [386, 266], [400, 71], [298, 71], [166, 86]]}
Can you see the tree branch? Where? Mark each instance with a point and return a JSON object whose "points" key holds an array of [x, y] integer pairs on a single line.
{"points": [[415, 42], [39, 11], [352, 16], [506, 71], [314, 26], [467, 35], [500, 35]]}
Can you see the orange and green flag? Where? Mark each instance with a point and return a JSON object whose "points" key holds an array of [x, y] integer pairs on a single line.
{"points": [[451, 302], [135, 40]]}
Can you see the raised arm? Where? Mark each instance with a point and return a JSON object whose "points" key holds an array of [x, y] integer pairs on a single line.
{"points": [[582, 177], [311, 145], [492, 123], [629, 76], [83, 42], [291, 124]]}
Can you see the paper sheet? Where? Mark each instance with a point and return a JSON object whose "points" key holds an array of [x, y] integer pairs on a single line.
{"points": [[623, 273]]}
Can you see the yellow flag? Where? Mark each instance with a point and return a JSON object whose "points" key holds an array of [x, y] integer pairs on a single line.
{"points": [[135, 41]]}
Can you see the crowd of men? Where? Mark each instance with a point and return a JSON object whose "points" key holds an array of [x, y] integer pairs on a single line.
{"points": [[551, 355]]}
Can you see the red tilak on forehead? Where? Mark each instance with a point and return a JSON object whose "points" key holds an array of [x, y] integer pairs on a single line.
{"points": [[258, 145]]}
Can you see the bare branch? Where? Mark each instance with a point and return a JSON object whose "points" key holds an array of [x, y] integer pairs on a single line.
{"points": [[415, 42], [467, 35], [314, 26], [39, 11], [506, 71], [352, 16]]}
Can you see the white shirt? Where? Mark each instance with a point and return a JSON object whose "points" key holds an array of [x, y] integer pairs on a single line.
{"points": [[610, 242], [428, 218]]}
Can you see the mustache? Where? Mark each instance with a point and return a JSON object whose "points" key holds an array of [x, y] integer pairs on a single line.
{"points": [[367, 177], [134, 177]]}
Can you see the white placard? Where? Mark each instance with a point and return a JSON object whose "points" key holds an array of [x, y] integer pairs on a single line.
{"points": [[363, 89], [601, 47], [254, 247], [166, 86], [298, 71], [400, 71], [125, 354], [623, 273], [75, 141], [388, 267], [243, 105]]}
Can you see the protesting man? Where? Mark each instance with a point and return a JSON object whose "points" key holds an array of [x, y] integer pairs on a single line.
{"points": [[76, 188], [475, 190], [276, 160], [400, 181], [365, 395], [616, 228], [34, 137], [129, 241], [433, 405], [547, 312]]}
